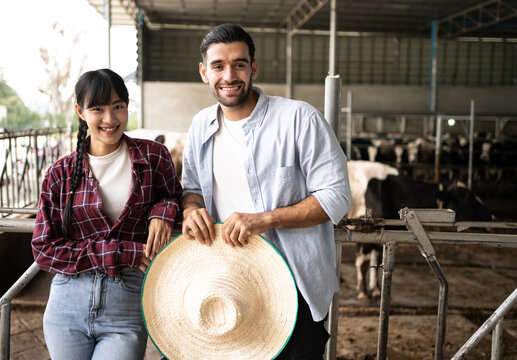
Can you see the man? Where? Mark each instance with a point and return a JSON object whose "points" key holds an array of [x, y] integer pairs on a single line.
{"points": [[271, 166]]}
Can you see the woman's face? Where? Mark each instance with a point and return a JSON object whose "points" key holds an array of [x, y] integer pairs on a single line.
{"points": [[106, 123]]}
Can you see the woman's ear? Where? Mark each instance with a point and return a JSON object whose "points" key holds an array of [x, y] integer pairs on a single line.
{"points": [[79, 111]]}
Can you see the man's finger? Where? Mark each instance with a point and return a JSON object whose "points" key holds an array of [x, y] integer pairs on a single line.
{"points": [[210, 225]]}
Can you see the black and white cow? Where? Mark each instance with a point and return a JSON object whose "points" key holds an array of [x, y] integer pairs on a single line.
{"points": [[387, 194], [360, 173]]}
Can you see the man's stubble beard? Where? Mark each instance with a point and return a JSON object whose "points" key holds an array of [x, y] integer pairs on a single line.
{"points": [[236, 102]]}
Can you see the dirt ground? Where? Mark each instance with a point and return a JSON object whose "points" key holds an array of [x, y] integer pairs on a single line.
{"points": [[479, 278]]}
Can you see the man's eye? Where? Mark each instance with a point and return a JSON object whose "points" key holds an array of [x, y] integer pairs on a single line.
{"points": [[117, 107]]}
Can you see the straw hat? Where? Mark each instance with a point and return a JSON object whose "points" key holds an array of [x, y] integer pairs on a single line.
{"points": [[218, 302]]}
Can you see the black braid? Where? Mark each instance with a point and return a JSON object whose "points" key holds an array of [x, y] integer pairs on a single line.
{"points": [[76, 176]]}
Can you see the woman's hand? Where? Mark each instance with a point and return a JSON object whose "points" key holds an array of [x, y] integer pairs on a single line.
{"points": [[159, 235], [145, 262]]}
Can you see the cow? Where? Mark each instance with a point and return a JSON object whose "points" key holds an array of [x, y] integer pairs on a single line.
{"points": [[360, 172], [174, 141], [386, 194], [499, 158]]}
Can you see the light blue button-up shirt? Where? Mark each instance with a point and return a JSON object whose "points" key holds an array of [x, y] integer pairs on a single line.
{"points": [[292, 153]]}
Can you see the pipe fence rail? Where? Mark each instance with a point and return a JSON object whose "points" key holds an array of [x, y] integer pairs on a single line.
{"points": [[24, 157], [365, 230]]}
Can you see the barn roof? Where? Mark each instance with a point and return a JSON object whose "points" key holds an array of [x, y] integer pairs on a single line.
{"points": [[492, 18]]}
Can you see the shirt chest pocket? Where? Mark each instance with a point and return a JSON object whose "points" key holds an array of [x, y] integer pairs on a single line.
{"points": [[282, 173], [284, 186]]}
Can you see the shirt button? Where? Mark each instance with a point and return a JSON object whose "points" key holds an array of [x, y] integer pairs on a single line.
{"points": [[99, 210]]}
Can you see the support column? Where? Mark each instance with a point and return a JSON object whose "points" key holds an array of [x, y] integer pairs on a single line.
{"points": [[332, 40], [432, 87], [471, 144], [107, 14], [289, 61], [437, 148]]}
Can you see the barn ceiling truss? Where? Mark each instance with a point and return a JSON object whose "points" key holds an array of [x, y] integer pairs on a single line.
{"points": [[486, 14], [301, 13]]}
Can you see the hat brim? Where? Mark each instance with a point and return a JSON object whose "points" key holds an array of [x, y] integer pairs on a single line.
{"points": [[255, 274]]}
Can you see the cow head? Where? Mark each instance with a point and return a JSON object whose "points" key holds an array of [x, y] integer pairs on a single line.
{"points": [[467, 205]]}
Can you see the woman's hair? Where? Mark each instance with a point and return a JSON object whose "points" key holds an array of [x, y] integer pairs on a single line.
{"points": [[92, 88], [227, 33]]}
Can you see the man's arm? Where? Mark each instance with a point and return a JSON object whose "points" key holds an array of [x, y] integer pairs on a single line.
{"points": [[197, 223], [306, 213]]}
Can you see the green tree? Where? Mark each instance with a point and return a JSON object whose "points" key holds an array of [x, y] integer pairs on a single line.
{"points": [[19, 116]]}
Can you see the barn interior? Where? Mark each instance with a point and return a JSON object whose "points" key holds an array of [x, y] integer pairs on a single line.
{"points": [[410, 72], [434, 78]]}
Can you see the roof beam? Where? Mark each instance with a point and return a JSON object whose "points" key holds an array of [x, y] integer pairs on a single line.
{"points": [[301, 13], [474, 18]]}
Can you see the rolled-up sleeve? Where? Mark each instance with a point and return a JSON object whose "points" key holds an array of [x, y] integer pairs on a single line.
{"points": [[325, 166], [168, 189]]}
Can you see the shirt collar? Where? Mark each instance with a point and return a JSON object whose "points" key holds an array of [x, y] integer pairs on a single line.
{"points": [[135, 152], [258, 114]]}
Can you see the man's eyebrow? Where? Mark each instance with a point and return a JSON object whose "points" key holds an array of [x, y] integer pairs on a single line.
{"points": [[217, 61], [117, 101]]}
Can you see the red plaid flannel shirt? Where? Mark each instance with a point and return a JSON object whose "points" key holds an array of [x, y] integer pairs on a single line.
{"points": [[95, 244]]}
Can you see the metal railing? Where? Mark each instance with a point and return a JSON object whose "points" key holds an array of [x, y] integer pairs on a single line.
{"points": [[418, 221], [414, 220], [24, 157], [493, 324]]}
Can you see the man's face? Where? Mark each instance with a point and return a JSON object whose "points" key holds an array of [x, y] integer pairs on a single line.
{"points": [[229, 71]]}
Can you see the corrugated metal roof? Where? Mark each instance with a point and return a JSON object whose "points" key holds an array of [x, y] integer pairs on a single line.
{"points": [[388, 16]]}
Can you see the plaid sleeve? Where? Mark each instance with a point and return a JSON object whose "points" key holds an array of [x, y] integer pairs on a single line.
{"points": [[168, 189], [90, 251]]}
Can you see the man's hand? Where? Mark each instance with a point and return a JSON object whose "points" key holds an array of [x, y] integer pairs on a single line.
{"points": [[197, 222], [238, 226], [198, 225], [159, 235]]}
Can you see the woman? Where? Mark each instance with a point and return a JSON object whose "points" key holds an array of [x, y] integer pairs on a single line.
{"points": [[104, 212]]}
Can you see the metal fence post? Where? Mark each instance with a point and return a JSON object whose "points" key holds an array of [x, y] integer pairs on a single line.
{"points": [[5, 308], [388, 264], [5, 329], [497, 337]]}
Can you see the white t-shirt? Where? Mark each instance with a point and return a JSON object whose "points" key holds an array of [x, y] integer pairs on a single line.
{"points": [[113, 174], [231, 189]]}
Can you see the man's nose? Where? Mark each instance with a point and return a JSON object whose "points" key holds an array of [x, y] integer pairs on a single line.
{"points": [[229, 73]]}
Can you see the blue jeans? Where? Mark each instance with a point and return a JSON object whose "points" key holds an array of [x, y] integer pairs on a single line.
{"points": [[95, 316]]}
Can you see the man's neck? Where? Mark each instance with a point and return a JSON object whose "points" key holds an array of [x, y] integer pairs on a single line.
{"points": [[241, 111]]}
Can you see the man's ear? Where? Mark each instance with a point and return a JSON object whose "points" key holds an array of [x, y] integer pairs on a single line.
{"points": [[79, 111], [254, 69], [202, 72]]}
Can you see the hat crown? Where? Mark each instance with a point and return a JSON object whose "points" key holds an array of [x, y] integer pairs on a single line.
{"points": [[218, 315], [213, 308]]}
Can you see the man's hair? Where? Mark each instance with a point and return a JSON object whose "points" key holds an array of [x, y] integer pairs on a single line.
{"points": [[227, 33]]}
